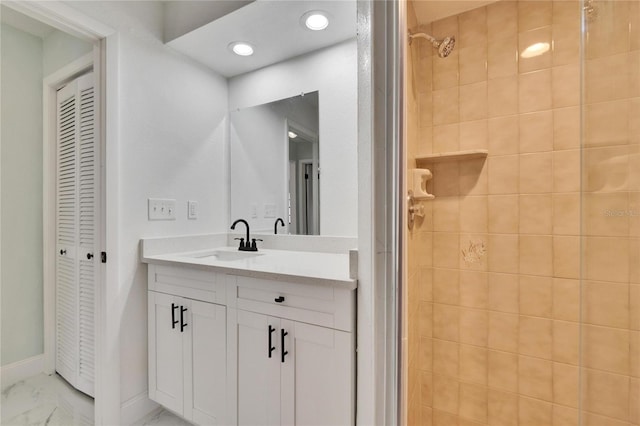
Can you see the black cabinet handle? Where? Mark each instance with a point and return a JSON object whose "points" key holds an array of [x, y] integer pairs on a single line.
{"points": [[182, 323], [271, 348], [174, 321], [89, 256], [279, 299], [282, 334], [63, 252]]}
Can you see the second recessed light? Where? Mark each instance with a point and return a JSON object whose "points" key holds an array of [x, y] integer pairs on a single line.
{"points": [[241, 48], [315, 20]]}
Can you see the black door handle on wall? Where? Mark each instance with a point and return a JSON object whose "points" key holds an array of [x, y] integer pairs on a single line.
{"points": [[282, 334], [174, 321], [271, 348], [182, 323]]}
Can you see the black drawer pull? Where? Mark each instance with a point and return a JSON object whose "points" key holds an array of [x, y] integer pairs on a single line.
{"points": [[182, 323], [279, 299], [174, 321], [63, 252], [282, 334], [271, 348]]}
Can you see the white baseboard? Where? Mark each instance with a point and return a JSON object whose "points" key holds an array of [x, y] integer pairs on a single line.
{"points": [[21, 370], [136, 408]]}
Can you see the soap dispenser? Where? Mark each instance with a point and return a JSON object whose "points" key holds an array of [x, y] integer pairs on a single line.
{"points": [[418, 179]]}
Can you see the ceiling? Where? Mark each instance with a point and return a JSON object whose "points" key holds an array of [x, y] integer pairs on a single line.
{"points": [[431, 10], [274, 29], [24, 23], [183, 16]]}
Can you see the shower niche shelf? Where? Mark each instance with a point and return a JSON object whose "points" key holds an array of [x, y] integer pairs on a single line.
{"points": [[441, 157]]}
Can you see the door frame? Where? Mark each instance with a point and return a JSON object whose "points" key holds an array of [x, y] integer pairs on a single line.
{"points": [[380, 206], [292, 200], [301, 188], [104, 60]]}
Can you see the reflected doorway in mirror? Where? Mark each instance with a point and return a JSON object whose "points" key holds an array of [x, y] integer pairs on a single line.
{"points": [[304, 180]]}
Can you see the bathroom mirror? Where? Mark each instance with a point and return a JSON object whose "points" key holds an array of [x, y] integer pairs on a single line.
{"points": [[275, 158]]}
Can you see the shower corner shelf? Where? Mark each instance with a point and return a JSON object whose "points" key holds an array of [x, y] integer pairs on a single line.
{"points": [[440, 157]]}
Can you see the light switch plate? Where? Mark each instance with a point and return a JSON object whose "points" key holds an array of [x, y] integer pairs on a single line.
{"points": [[254, 211], [162, 209], [192, 209]]}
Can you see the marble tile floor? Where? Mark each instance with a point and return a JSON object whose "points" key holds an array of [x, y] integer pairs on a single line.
{"points": [[45, 400], [162, 418]]}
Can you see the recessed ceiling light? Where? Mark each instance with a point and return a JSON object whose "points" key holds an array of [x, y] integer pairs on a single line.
{"points": [[292, 135], [535, 49], [241, 48], [315, 20]]}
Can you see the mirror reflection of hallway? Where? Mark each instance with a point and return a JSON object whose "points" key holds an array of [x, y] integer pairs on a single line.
{"points": [[304, 181]]}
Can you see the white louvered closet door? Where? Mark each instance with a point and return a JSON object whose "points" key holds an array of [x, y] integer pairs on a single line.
{"points": [[76, 232]]}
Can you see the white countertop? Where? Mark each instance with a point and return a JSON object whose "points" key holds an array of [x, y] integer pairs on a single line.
{"points": [[286, 265]]}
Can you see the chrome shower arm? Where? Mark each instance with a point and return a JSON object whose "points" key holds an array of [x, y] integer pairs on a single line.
{"points": [[423, 35]]}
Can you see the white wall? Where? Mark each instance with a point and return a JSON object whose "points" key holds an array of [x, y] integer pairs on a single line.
{"points": [[60, 49], [140, 18], [333, 72], [172, 144], [21, 192]]}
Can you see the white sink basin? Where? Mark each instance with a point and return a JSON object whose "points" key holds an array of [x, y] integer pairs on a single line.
{"points": [[225, 255]]}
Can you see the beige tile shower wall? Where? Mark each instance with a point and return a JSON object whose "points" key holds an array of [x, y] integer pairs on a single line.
{"points": [[611, 215], [418, 300], [494, 332]]}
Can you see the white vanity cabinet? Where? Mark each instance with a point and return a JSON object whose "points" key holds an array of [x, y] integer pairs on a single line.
{"points": [[295, 353], [236, 350], [187, 345]]}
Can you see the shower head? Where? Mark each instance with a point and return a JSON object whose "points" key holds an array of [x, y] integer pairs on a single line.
{"points": [[444, 46]]}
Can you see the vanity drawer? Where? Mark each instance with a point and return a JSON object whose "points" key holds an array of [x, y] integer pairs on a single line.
{"points": [[188, 282], [326, 306]]}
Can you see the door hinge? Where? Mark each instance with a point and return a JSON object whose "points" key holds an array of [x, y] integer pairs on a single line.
{"points": [[103, 257]]}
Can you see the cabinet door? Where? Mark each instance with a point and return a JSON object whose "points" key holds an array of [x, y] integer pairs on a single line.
{"points": [[258, 372], [206, 364], [166, 351], [317, 376]]}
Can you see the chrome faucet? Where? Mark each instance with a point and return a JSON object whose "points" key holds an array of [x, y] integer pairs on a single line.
{"points": [[246, 246], [275, 225]]}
